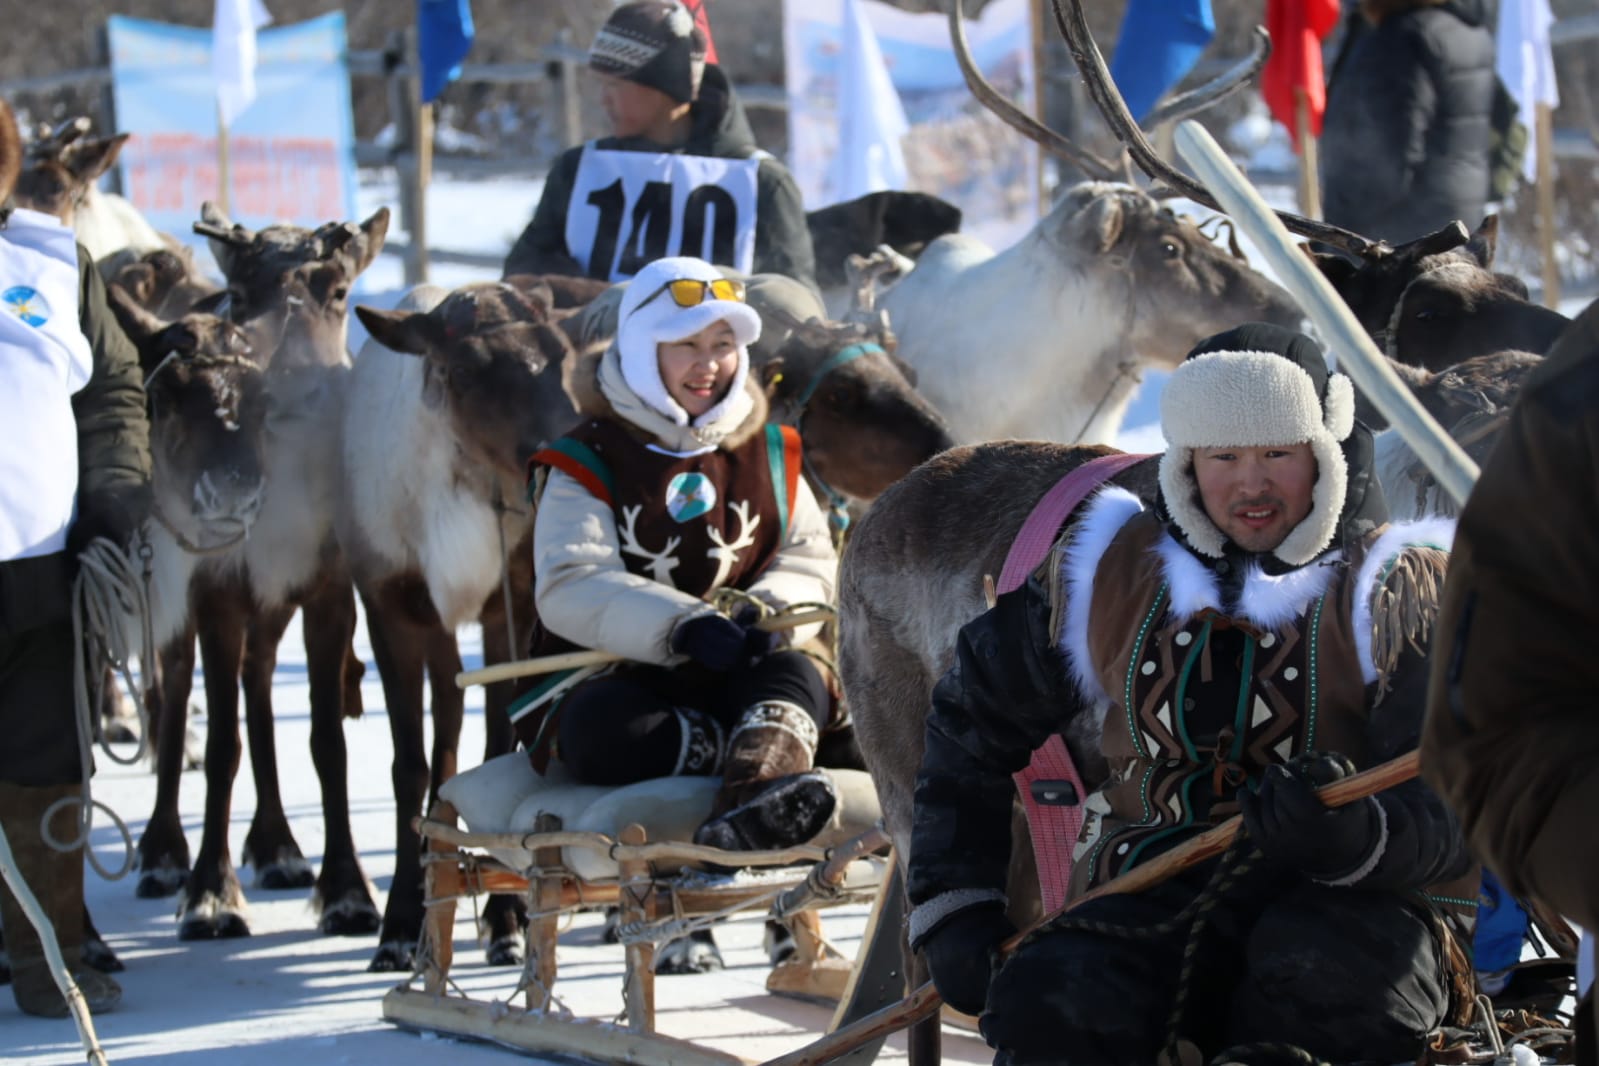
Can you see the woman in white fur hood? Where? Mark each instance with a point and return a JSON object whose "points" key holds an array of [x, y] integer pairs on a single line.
{"points": [[672, 488]]}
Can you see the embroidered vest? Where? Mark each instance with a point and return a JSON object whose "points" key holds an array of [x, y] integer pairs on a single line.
{"points": [[1202, 705], [697, 523]]}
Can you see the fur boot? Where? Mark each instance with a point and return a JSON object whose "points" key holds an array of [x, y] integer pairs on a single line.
{"points": [[770, 796], [56, 880]]}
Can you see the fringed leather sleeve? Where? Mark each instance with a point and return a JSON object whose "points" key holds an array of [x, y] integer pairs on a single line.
{"points": [[1421, 842]]}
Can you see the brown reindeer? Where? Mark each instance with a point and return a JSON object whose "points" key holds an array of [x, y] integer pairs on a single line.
{"points": [[294, 283], [1437, 301], [450, 397], [863, 423]]}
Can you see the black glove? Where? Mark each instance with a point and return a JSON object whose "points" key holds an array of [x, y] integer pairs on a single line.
{"points": [[719, 643], [960, 954], [105, 515], [1291, 826]]}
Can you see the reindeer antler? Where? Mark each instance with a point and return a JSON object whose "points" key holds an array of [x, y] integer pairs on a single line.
{"points": [[1013, 116], [1080, 41], [1223, 85]]}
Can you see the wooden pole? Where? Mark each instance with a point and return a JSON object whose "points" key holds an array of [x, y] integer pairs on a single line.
{"points": [[575, 660], [1040, 99], [224, 175], [1309, 181], [924, 1001], [571, 102], [1546, 205], [416, 163]]}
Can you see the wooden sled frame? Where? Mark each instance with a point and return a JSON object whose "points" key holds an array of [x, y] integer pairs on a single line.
{"points": [[452, 871]]}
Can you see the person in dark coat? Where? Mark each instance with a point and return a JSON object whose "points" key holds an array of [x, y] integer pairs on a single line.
{"points": [[1511, 739], [74, 466], [691, 169], [1256, 631], [1407, 134]]}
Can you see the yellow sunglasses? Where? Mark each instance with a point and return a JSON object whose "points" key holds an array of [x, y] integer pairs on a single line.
{"points": [[691, 292]]}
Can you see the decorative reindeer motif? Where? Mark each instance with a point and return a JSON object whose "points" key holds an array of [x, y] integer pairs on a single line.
{"points": [[662, 563], [726, 554]]}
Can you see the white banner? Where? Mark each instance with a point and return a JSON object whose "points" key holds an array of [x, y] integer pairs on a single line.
{"points": [[629, 209], [955, 148]]}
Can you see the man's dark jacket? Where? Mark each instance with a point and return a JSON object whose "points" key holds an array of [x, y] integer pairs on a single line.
{"points": [[720, 130], [1407, 132]]}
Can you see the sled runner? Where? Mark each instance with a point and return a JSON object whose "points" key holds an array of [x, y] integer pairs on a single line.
{"points": [[565, 846]]}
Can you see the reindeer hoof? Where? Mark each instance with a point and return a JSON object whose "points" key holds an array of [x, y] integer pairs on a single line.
{"points": [[224, 925], [165, 880], [211, 919], [506, 951], [350, 917], [695, 953], [287, 872], [97, 955], [611, 933], [396, 956]]}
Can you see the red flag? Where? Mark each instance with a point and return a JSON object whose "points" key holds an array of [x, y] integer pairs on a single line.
{"points": [[1297, 28], [703, 21]]}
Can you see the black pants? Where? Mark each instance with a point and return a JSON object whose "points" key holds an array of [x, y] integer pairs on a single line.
{"points": [[38, 736], [1349, 976], [642, 721]]}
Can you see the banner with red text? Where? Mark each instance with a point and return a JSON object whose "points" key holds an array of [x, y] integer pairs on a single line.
{"points": [[291, 153]]}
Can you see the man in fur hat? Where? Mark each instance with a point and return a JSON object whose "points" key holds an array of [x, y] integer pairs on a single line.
{"points": [[1253, 633], [681, 164]]}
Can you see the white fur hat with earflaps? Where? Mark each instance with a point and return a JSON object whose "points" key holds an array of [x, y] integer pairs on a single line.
{"points": [[1255, 386]]}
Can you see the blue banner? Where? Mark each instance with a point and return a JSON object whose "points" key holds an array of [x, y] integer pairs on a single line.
{"points": [[291, 154]]}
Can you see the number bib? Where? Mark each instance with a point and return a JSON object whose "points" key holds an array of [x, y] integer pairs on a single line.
{"points": [[629, 209]]}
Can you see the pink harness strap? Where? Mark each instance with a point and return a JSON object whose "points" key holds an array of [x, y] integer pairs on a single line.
{"points": [[1051, 789]]}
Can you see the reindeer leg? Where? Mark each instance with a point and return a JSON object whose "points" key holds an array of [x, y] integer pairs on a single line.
{"points": [[399, 643], [213, 902], [163, 852], [269, 847], [341, 895]]}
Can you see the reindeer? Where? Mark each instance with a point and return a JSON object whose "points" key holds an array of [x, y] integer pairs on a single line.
{"points": [[58, 177], [1436, 301], [450, 397], [296, 282], [1046, 338]]}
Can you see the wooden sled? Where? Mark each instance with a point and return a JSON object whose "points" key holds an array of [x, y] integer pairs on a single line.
{"points": [[565, 847]]}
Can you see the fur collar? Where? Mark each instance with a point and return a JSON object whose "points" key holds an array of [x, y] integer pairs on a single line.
{"points": [[593, 380]]}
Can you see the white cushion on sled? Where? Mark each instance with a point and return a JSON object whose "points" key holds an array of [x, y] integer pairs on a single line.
{"points": [[505, 795]]}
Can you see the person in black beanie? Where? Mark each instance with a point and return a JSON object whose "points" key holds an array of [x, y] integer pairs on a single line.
{"points": [[1254, 631], [679, 175]]}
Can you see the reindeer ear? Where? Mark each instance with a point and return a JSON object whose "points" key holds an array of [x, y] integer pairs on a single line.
{"points": [[373, 232], [1484, 242], [534, 289], [89, 159], [139, 324], [1335, 268], [408, 332], [1100, 222], [773, 380]]}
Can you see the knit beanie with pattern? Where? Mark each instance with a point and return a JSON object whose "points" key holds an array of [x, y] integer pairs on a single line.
{"points": [[654, 43]]}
